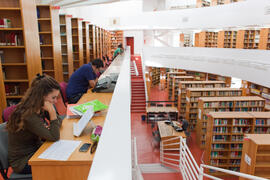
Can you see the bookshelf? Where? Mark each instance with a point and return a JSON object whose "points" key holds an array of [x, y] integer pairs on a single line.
{"points": [[50, 41], [86, 51], [19, 50], [207, 39], [227, 39], [248, 39], [92, 42], [100, 42], [214, 77], [116, 39], [264, 39], [173, 89], [223, 104], [255, 155], [225, 133], [97, 41], [183, 85], [185, 40], [169, 78], [251, 89], [199, 76], [108, 44], [66, 45], [193, 94], [77, 42], [155, 76]]}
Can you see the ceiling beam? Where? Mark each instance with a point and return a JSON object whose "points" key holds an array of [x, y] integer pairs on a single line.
{"points": [[54, 2]]}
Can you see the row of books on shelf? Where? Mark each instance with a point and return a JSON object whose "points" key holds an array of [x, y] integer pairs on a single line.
{"points": [[217, 162], [10, 39], [12, 90], [220, 130], [237, 104], [262, 121], [5, 23]]}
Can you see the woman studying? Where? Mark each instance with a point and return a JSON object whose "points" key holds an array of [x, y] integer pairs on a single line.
{"points": [[34, 118]]}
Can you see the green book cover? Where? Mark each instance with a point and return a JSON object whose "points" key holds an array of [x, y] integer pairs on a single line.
{"points": [[98, 106]]}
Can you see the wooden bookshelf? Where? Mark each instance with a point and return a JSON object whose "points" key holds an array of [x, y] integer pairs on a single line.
{"points": [[20, 53], [66, 45], [215, 77], [199, 76], [50, 41], [193, 94], [207, 39], [174, 88], [183, 85], [248, 39], [185, 40], [116, 39], [155, 76], [109, 46], [264, 39], [169, 78], [86, 50], [77, 42], [223, 104], [225, 133], [92, 42], [97, 41], [100, 42], [227, 39], [256, 154]]}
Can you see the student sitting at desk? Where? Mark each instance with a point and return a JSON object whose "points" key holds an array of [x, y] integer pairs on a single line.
{"points": [[82, 79], [184, 123], [26, 125]]}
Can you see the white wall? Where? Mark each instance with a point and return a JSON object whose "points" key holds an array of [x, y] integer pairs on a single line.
{"points": [[154, 5], [251, 65], [138, 40]]}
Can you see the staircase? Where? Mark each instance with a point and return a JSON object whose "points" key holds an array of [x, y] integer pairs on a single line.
{"points": [[137, 86]]}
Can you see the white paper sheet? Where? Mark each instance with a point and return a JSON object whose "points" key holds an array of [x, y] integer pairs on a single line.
{"points": [[60, 150]]}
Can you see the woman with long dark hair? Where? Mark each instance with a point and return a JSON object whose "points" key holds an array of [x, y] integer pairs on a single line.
{"points": [[26, 125]]}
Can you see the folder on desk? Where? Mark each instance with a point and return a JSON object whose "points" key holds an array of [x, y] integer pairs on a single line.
{"points": [[82, 108]]}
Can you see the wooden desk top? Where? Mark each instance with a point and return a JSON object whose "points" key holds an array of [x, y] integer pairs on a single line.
{"points": [[161, 109], [66, 133], [167, 131]]}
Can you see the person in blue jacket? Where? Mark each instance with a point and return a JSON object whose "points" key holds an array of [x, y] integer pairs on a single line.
{"points": [[83, 78]]}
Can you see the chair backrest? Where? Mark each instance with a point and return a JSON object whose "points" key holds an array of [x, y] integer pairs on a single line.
{"points": [[7, 112], [63, 86], [152, 104], [168, 105], [159, 105], [3, 146]]}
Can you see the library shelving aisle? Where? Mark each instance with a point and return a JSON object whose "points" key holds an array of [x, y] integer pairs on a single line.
{"points": [[50, 41], [183, 85], [92, 42], [116, 39], [223, 104], [206, 39], [66, 46], [20, 55], [77, 42], [256, 153], [86, 51], [193, 95], [225, 134]]}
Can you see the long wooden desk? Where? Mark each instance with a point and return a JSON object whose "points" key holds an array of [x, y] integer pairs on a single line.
{"points": [[167, 132], [157, 110], [78, 165]]}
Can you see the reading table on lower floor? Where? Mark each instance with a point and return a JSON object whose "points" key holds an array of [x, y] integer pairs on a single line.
{"points": [[78, 164]]}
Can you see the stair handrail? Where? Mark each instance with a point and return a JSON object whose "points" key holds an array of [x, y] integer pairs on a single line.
{"points": [[187, 165], [135, 67], [135, 167], [144, 80]]}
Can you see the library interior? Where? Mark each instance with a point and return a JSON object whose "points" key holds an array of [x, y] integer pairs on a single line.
{"points": [[165, 89]]}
